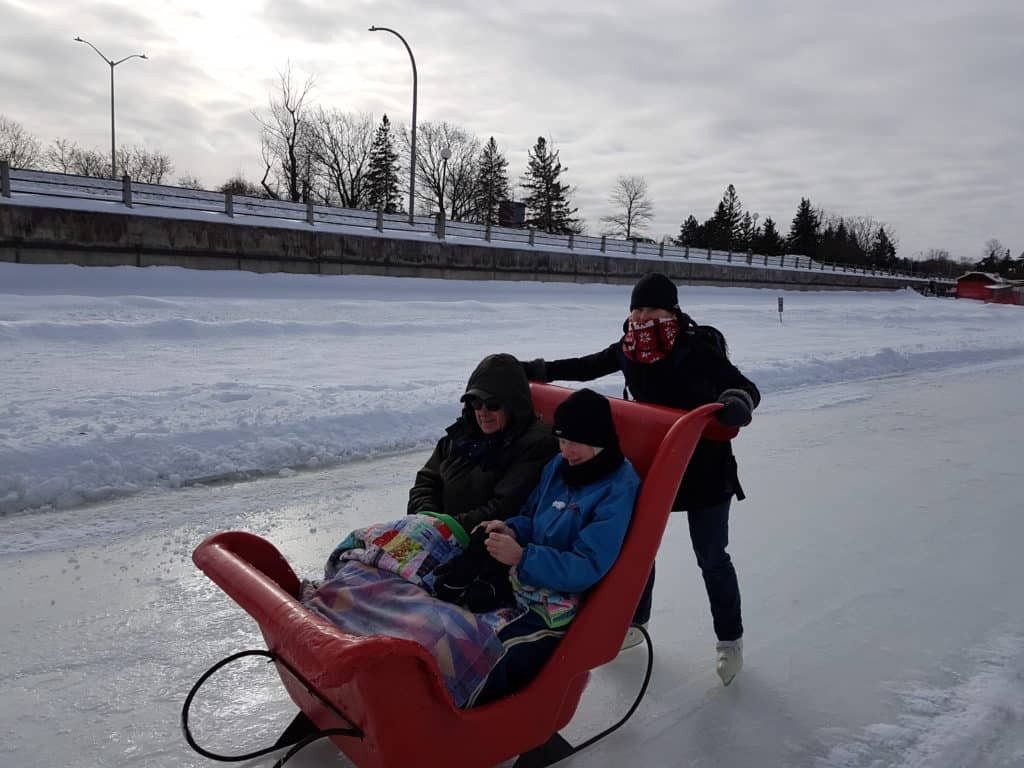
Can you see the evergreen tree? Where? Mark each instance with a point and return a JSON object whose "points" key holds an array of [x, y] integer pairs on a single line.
{"points": [[804, 231], [691, 233], [826, 237], [883, 251], [491, 183], [728, 219], [747, 233], [710, 230], [828, 247], [382, 178], [847, 250], [839, 242], [547, 200], [769, 242], [841, 252]]}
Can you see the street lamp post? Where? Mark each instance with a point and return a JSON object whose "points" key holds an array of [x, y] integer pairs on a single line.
{"points": [[445, 154], [412, 159], [112, 63]]}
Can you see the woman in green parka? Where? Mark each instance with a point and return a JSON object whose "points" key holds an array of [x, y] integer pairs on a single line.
{"points": [[490, 459]]}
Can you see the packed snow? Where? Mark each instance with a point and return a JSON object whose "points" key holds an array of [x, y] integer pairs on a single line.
{"points": [[122, 379], [145, 409]]}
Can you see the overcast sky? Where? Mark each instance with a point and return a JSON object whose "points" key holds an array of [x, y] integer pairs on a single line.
{"points": [[907, 111]]}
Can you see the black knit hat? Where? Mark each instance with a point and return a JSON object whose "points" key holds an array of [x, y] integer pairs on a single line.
{"points": [[586, 417], [654, 290]]}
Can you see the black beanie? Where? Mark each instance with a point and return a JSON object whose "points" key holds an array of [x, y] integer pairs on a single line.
{"points": [[654, 290], [586, 417]]}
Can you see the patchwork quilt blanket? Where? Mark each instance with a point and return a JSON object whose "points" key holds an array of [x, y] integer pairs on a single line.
{"points": [[374, 585]]}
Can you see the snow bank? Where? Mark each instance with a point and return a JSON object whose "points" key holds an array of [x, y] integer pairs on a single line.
{"points": [[121, 379]]}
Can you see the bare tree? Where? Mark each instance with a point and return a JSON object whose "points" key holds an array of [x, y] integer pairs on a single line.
{"points": [[239, 185], [458, 175], [17, 146], [633, 208], [91, 162], [285, 140], [66, 156], [861, 230], [60, 156], [146, 165], [149, 166], [340, 145], [994, 249], [188, 181]]}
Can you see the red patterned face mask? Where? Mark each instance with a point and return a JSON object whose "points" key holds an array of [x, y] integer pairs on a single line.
{"points": [[651, 341]]}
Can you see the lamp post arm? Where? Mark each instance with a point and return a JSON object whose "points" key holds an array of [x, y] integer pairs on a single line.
{"points": [[133, 56], [98, 51], [412, 141]]}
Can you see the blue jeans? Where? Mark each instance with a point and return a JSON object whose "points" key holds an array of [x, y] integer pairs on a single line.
{"points": [[709, 534]]}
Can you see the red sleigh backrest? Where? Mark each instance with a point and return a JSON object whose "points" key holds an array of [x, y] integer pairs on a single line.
{"points": [[658, 443]]}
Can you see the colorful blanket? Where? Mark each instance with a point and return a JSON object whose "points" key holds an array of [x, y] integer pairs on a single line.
{"points": [[556, 608], [411, 547], [374, 587]]}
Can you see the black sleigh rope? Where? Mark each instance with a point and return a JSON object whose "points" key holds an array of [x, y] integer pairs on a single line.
{"points": [[300, 734]]}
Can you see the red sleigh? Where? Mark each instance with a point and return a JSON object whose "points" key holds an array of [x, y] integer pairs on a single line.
{"points": [[345, 686]]}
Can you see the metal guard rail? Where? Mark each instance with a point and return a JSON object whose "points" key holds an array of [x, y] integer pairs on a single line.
{"points": [[133, 194]]}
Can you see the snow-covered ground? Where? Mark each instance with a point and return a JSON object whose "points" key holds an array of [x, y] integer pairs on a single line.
{"points": [[878, 552], [121, 379]]}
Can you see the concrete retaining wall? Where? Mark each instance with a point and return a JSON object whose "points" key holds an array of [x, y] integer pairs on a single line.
{"points": [[34, 235]]}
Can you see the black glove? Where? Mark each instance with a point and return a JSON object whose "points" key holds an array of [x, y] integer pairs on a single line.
{"points": [[737, 408], [474, 579], [535, 370]]}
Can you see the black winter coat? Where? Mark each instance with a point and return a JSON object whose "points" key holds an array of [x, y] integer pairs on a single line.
{"points": [[693, 374], [475, 477]]}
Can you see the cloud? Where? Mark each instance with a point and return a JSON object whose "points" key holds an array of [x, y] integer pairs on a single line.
{"points": [[307, 20]]}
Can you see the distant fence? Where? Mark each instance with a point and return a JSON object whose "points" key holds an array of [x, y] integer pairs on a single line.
{"points": [[61, 190]]}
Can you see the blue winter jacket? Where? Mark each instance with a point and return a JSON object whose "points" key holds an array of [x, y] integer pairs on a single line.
{"points": [[571, 536]]}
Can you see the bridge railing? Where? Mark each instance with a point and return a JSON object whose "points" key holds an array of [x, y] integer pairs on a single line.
{"points": [[59, 189]]}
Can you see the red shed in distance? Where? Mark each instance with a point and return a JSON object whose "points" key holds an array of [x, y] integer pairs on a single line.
{"points": [[975, 285]]}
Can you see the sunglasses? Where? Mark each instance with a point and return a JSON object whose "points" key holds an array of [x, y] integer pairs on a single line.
{"points": [[490, 404]]}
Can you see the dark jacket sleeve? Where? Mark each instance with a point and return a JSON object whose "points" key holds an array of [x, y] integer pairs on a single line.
{"points": [[522, 523], [584, 368], [514, 487], [425, 494], [726, 376]]}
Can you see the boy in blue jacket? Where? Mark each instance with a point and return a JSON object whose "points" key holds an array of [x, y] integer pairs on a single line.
{"points": [[564, 540]]}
